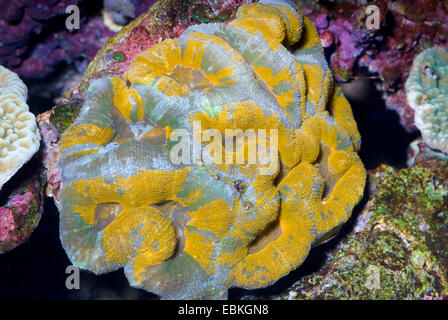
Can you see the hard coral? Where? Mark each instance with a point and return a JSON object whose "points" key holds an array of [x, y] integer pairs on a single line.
{"points": [[195, 230], [427, 94], [19, 136]]}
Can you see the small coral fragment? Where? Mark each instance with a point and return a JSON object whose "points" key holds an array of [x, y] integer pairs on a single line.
{"points": [[19, 136], [427, 94], [194, 229]]}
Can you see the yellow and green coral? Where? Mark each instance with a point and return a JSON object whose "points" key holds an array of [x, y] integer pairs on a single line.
{"points": [[195, 230]]}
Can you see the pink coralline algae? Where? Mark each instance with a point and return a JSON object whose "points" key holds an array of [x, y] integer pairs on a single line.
{"points": [[24, 21], [6, 223], [22, 202], [21, 206], [123, 11], [50, 153], [166, 19], [407, 28]]}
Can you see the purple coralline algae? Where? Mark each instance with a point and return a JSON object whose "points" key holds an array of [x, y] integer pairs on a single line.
{"points": [[23, 22], [407, 28]]}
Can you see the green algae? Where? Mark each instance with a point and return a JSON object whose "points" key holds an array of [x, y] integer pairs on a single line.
{"points": [[399, 248], [62, 116]]}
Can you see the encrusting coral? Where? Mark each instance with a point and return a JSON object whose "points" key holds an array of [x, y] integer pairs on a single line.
{"points": [[19, 136], [195, 230], [427, 94]]}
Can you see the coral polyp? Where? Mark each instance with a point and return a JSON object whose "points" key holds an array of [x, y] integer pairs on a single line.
{"points": [[193, 230]]}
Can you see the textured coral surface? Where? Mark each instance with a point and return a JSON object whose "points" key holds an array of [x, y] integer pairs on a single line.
{"points": [[398, 248], [194, 230], [19, 136], [427, 94]]}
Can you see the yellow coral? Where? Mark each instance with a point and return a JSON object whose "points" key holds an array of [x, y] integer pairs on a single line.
{"points": [[185, 230]]}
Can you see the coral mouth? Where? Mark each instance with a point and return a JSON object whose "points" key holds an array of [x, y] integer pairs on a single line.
{"points": [[272, 232], [179, 218]]}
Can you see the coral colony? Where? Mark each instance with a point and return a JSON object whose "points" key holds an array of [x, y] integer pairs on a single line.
{"points": [[186, 231], [208, 145], [19, 137]]}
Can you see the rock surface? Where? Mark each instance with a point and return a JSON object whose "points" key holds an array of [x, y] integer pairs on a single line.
{"points": [[398, 248]]}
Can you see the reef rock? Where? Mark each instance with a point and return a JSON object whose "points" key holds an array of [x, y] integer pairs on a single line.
{"points": [[398, 248], [406, 29]]}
